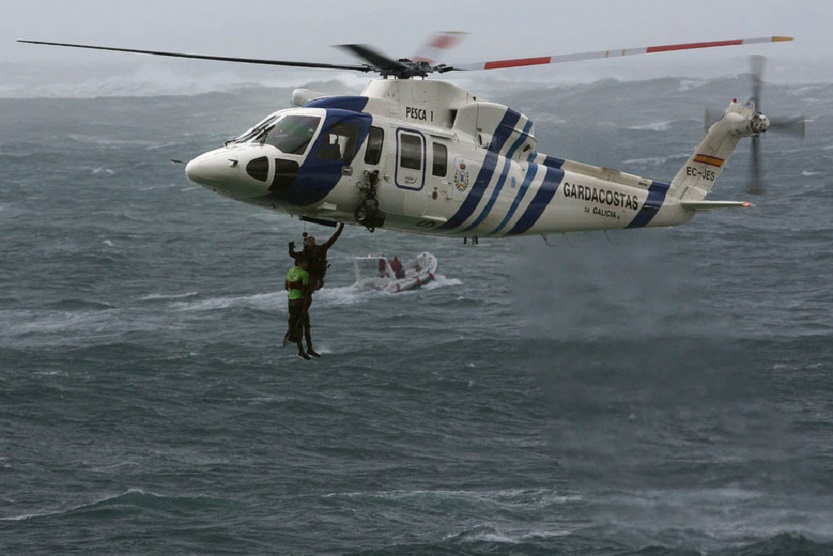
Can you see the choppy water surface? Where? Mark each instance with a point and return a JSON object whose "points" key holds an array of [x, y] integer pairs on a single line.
{"points": [[646, 392]]}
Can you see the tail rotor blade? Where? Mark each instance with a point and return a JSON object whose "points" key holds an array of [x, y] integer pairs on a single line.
{"points": [[757, 64], [793, 126], [712, 117], [756, 185]]}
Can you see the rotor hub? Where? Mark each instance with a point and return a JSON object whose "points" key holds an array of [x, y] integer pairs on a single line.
{"points": [[760, 123]]}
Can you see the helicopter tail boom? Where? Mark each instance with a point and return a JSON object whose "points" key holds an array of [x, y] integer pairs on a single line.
{"points": [[696, 178]]}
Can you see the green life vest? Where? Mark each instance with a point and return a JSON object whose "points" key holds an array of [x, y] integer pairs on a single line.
{"points": [[297, 280]]}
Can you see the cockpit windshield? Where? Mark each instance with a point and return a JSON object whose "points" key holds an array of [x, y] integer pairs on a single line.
{"points": [[256, 130], [292, 134]]}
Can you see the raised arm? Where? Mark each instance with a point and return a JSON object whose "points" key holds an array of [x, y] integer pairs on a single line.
{"points": [[334, 237]]}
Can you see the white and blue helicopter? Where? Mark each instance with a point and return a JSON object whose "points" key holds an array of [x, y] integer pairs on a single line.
{"points": [[419, 155]]}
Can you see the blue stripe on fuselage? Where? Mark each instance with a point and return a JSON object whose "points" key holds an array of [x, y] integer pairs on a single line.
{"points": [[543, 197], [484, 177], [473, 198], [502, 180], [318, 175], [532, 171], [656, 196], [553, 162], [349, 103]]}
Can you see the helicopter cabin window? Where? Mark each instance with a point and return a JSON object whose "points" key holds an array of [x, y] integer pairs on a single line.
{"points": [[375, 140], [440, 166], [410, 151], [338, 142], [292, 134], [410, 160]]}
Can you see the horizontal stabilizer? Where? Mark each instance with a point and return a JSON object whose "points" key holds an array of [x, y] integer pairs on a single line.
{"points": [[708, 205]]}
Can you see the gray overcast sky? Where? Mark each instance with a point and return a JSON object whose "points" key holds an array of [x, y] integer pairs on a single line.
{"points": [[297, 30]]}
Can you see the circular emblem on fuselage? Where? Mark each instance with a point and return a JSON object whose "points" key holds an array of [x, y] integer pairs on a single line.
{"points": [[461, 176]]}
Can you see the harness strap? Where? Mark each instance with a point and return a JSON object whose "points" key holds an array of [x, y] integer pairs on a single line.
{"points": [[294, 285]]}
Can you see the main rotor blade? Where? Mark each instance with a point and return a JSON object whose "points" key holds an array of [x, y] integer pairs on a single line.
{"points": [[376, 59], [363, 68], [557, 59], [438, 45]]}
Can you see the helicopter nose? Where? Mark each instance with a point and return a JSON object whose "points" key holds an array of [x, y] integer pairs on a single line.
{"points": [[212, 169]]}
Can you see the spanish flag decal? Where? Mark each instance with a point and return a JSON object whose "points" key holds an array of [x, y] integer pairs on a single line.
{"points": [[709, 160]]}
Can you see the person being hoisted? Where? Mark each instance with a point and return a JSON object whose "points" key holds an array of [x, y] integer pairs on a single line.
{"points": [[316, 256], [298, 286]]}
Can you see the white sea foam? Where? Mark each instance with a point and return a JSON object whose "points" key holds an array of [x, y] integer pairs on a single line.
{"points": [[25, 322], [655, 126], [657, 160], [265, 301], [169, 296]]}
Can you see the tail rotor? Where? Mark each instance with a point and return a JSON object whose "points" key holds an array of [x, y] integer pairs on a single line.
{"points": [[793, 126]]}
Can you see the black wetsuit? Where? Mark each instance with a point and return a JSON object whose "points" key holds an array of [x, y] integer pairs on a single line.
{"points": [[316, 260], [316, 257]]}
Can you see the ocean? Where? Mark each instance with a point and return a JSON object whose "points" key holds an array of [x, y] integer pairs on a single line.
{"points": [[648, 392]]}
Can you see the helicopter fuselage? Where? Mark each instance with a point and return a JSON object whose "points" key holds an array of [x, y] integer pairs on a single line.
{"points": [[424, 156]]}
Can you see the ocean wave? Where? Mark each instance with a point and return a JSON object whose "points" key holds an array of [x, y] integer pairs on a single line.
{"points": [[327, 296], [108, 141], [131, 501], [483, 533], [506, 499], [102, 171], [654, 126], [264, 301], [536, 406], [168, 296], [28, 322], [657, 160], [79, 321]]}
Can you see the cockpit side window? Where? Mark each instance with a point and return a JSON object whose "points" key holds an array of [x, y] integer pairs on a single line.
{"points": [[375, 140], [339, 142], [293, 134]]}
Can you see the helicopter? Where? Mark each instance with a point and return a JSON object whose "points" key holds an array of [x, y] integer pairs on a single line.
{"points": [[420, 155]]}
